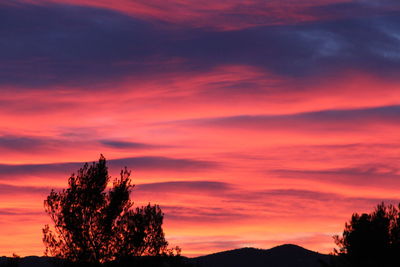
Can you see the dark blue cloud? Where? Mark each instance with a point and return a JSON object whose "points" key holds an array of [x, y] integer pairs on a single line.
{"points": [[43, 45], [126, 144], [327, 120], [163, 163], [325, 197], [202, 214], [134, 163], [363, 8], [185, 187], [6, 189], [371, 175], [50, 44], [20, 212], [27, 144], [23, 143]]}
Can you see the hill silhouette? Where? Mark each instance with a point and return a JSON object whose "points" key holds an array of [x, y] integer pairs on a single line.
{"points": [[30, 261], [281, 256]]}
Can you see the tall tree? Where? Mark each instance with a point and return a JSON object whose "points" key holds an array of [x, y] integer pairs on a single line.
{"points": [[96, 225], [371, 239]]}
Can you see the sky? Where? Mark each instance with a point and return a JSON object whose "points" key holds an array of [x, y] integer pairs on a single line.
{"points": [[251, 123]]}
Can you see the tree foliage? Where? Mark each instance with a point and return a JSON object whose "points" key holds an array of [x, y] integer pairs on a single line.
{"points": [[94, 224], [371, 239]]}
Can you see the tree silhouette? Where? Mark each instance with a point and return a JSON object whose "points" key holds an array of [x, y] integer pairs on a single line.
{"points": [[96, 225], [370, 239]]}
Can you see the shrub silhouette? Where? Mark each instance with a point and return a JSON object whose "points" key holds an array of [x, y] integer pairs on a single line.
{"points": [[93, 225], [370, 239]]}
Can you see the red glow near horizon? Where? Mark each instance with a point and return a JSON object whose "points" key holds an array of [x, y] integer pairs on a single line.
{"points": [[236, 152]]}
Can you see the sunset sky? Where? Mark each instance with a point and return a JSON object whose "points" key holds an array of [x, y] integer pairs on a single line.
{"points": [[251, 123]]}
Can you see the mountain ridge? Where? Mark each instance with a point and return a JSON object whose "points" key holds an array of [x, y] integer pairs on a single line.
{"points": [[286, 255]]}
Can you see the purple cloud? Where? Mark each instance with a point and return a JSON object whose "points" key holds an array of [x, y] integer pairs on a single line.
{"points": [[51, 44]]}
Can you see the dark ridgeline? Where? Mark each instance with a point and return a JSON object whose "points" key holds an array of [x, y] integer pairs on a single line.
{"points": [[34, 261], [281, 256], [31, 261], [10, 262]]}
